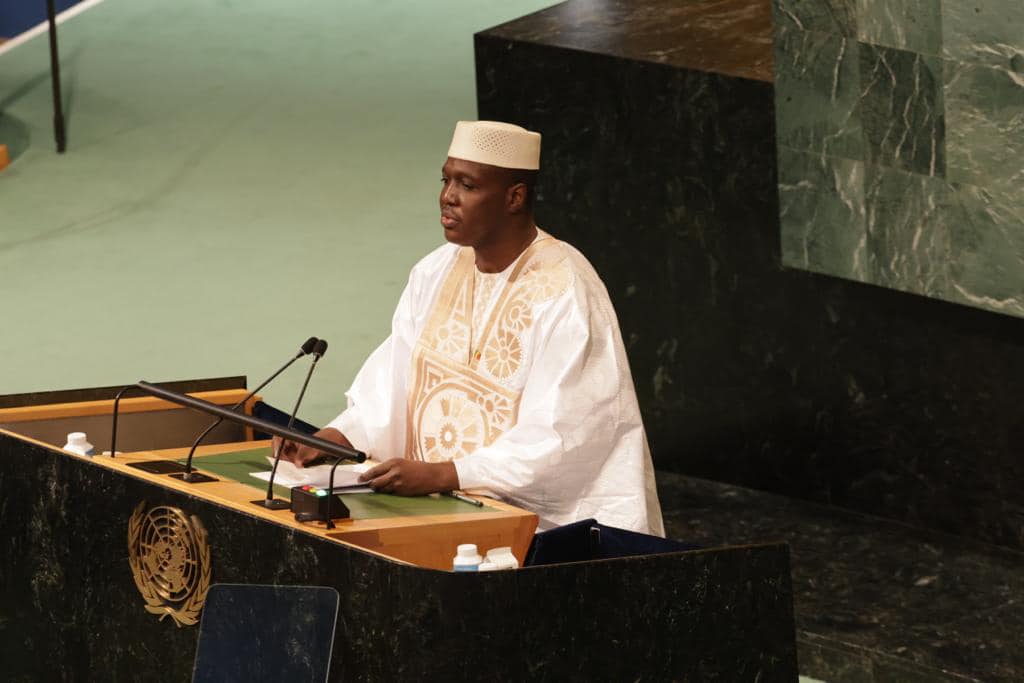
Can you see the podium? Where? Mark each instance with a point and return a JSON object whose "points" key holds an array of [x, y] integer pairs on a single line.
{"points": [[103, 569]]}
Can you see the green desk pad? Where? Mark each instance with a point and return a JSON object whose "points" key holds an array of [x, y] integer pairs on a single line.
{"points": [[238, 465]]}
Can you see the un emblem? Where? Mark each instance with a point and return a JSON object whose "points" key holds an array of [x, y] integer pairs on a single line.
{"points": [[170, 560]]}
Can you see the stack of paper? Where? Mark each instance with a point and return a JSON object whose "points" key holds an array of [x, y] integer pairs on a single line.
{"points": [[345, 476]]}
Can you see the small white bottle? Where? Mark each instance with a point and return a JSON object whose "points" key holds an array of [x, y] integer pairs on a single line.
{"points": [[77, 443], [501, 558], [466, 559]]}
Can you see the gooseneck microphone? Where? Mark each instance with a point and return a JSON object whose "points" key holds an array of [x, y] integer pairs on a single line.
{"points": [[193, 477], [271, 503]]}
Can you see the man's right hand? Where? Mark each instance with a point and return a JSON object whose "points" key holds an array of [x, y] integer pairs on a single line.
{"points": [[300, 454]]}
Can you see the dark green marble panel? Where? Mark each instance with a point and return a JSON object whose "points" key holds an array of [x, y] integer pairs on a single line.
{"points": [[938, 116], [908, 241], [832, 16], [985, 127], [914, 25], [875, 600], [821, 204], [817, 88], [984, 31], [987, 234], [804, 384], [902, 109]]}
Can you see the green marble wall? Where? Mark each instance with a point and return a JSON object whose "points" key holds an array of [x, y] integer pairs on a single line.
{"points": [[900, 130]]}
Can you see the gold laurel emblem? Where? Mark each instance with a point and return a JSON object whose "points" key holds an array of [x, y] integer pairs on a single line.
{"points": [[170, 560]]}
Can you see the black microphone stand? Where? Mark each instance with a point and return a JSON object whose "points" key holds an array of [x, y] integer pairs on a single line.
{"points": [[193, 477], [330, 492], [270, 502], [113, 426], [266, 426], [169, 466]]}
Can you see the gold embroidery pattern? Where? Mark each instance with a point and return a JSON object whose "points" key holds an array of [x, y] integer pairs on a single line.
{"points": [[455, 412], [452, 339], [451, 425], [460, 402], [516, 316], [504, 351], [545, 283], [503, 355], [448, 325], [498, 409]]}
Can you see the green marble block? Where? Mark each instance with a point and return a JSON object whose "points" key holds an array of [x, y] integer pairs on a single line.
{"points": [[914, 25], [987, 236], [819, 112], [901, 109], [830, 16], [900, 135], [822, 198], [985, 118], [908, 241], [989, 32]]}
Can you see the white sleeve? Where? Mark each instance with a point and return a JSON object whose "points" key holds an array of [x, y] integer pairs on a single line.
{"points": [[374, 421], [578, 448]]}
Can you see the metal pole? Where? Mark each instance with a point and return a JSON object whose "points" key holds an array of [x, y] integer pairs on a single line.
{"points": [[58, 109]]}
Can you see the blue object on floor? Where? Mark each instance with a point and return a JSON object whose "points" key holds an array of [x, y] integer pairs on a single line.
{"points": [[18, 17], [588, 540]]}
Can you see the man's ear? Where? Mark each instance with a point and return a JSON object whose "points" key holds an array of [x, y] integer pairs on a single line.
{"points": [[516, 198]]}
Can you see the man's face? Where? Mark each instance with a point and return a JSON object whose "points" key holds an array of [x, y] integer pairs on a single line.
{"points": [[473, 202]]}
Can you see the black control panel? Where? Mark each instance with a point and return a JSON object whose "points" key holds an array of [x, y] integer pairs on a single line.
{"points": [[309, 504]]}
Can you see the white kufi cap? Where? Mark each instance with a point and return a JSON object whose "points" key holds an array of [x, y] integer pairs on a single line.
{"points": [[496, 144]]}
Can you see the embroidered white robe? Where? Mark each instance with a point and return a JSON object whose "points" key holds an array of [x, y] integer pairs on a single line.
{"points": [[535, 406]]}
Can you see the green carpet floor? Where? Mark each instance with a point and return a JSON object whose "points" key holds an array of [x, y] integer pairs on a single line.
{"points": [[239, 176]]}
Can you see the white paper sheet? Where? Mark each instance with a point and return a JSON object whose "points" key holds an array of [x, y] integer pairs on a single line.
{"points": [[346, 476]]}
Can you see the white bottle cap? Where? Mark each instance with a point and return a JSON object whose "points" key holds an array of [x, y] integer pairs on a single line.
{"points": [[468, 552], [77, 443]]}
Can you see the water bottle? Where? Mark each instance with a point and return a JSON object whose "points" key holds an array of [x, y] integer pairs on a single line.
{"points": [[501, 558], [77, 443], [466, 559]]}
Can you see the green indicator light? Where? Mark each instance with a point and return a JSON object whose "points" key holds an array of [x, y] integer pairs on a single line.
{"points": [[321, 493]]}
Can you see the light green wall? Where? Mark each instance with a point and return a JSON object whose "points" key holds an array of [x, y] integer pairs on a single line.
{"points": [[239, 176]]}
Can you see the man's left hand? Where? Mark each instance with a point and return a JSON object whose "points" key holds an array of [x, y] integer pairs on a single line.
{"points": [[411, 477]]}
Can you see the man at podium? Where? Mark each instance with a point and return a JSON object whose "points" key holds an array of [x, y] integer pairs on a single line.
{"points": [[505, 373]]}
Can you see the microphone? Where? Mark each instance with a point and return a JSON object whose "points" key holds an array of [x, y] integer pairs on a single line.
{"points": [[193, 477], [271, 503]]}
